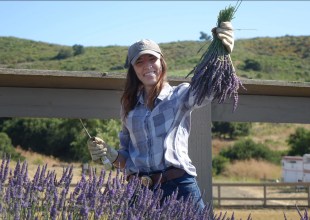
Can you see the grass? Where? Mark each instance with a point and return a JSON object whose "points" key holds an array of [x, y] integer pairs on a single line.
{"points": [[282, 58], [261, 214], [35, 159], [253, 170], [274, 135]]}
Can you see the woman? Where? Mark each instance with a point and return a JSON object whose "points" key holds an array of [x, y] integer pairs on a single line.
{"points": [[156, 123]]}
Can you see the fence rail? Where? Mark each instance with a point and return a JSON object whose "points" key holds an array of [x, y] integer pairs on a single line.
{"points": [[267, 195]]}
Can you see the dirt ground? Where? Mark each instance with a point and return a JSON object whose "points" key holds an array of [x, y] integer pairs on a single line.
{"points": [[262, 214]]}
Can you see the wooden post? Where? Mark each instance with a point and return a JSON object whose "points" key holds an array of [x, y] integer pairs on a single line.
{"points": [[309, 196], [200, 149], [265, 195], [219, 195]]}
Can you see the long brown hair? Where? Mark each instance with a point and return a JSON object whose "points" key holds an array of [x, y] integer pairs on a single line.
{"points": [[133, 85]]}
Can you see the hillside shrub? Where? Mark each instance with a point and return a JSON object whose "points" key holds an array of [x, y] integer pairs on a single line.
{"points": [[218, 164], [247, 149], [250, 64], [6, 148], [204, 36], [299, 142], [231, 129], [78, 49], [63, 54]]}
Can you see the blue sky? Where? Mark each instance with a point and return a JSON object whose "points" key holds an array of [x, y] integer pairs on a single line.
{"points": [[103, 23]]}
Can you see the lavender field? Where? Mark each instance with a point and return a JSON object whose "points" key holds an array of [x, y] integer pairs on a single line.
{"points": [[95, 196]]}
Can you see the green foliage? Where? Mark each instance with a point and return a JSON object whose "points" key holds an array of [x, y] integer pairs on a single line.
{"points": [[105, 129], [232, 129], [38, 135], [250, 64], [78, 49], [247, 149], [63, 54], [299, 142], [204, 36], [7, 149], [61, 138], [219, 164], [281, 58]]}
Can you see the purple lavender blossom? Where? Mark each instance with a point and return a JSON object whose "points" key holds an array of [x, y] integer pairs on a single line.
{"points": [[53, 210], [45, 197]]}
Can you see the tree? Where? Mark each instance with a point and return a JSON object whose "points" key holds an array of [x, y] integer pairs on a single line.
{"points": [[232, 129], [247, 149], [204, 36], [61, 138], [299, 142], [219, 164], [78, 49], [7, 149]]}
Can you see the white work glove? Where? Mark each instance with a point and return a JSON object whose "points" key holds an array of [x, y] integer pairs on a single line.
{"points": [[226, 34], [98, 149]]}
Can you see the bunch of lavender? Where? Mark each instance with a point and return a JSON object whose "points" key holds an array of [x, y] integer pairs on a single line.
{"points": [[95, 197], [215, 76]]}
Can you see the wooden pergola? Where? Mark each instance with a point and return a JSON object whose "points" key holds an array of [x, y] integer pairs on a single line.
{"points": [[75, 94]]}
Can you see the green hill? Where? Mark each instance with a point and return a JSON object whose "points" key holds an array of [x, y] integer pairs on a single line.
{"points": [[282, 58]]}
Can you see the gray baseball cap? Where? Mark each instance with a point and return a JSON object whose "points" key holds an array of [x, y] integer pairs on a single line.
{"points": [[141, 47]]}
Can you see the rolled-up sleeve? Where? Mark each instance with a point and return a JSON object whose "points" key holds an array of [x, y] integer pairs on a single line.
{"points": [[188, 96], [124, 142]]}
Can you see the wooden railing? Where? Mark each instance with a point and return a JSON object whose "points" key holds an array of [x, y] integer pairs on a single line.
{"points": [[267, 195]]}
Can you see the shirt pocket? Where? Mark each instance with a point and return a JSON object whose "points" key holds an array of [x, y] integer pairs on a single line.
{"points": [[162, 122]]}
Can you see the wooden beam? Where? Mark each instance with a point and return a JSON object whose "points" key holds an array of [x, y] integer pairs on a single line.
{"points": [[259, 108], [59, 103]]}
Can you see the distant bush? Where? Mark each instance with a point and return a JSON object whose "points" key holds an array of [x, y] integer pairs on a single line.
{"points": [[218, 164], [205, 36], [63, 54], [299, 142], [78, 49], [250, 64], [246, 149], [7, 149], [231, 129]]}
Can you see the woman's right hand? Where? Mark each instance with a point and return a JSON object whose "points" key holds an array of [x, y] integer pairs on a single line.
{"points": [[99, 149]]}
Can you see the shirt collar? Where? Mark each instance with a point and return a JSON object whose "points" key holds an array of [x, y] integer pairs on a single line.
{"points": [[163, 93]]}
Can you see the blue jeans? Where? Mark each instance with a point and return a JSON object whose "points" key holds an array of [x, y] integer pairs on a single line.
{"points": [[187, 185]]}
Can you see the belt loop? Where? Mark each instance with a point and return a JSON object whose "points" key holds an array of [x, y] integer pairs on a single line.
{"points": [[159, 180]]}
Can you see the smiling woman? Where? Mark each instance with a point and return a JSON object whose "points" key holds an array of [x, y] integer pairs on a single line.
{"points": [[156, 124]]}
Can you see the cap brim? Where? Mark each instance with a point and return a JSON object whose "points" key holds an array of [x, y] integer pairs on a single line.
{"points": [[154, 53]]}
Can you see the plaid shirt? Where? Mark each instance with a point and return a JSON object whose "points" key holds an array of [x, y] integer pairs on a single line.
{"points": [[154, 140]]}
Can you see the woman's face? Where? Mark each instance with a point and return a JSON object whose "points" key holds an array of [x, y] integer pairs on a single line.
{"points": [[148, 69]]}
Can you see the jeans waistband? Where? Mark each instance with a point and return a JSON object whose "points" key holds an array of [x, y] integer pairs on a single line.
{"points": [[155, 172]]}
